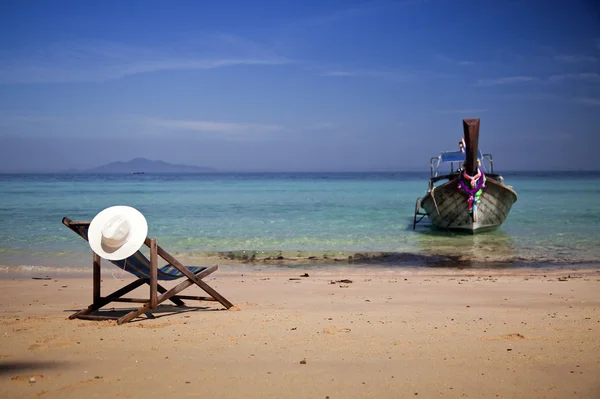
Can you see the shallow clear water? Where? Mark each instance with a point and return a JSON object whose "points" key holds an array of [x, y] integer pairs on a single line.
{"points": [[555, 220]]}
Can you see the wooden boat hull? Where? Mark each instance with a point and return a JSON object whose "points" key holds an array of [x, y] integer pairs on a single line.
{"points": [[447, 207]]}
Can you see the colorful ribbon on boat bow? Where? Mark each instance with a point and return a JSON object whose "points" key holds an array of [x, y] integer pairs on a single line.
{"points": [[473, 186]]}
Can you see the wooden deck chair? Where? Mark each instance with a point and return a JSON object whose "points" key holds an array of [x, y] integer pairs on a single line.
{"points": [[147, 272]]}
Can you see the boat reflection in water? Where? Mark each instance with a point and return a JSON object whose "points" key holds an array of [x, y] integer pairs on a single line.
{"points": [[495, 249]]}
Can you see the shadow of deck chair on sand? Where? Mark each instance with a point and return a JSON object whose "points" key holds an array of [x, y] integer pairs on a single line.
{"points": [[147, 272]]}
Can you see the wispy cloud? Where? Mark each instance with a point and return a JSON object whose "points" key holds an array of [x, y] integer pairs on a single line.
{"points": [[505, 80], [588, 101], [575, 58], [463, 111], [340, 14], [353, 12], [234, 131], [20, 124], [98, 61], [550, 97], [294, 32], [349, 73], [391, 74], [545, 137], [451, 61], [586, 77], [528, 96], [321, 126], [12, 118], [240, 130]]}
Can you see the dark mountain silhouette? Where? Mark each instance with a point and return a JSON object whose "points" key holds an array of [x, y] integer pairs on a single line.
{"points": [[139, 165]]}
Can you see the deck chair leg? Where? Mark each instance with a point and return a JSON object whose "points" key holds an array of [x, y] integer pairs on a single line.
{"points": [[212, 292], [154, 286], [97, 277], [133, 314], [195, 278], [104, 301], [165, 296], [153, 274]]}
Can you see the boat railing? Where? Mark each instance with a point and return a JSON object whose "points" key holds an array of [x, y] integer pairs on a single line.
{"points": [[490, 160], [455, 159]]}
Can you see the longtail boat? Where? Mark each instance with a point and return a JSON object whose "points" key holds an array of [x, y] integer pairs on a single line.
{"points": [[471, 198]]}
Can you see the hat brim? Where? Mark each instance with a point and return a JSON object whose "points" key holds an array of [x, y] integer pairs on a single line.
{"points": [[138, 234]]}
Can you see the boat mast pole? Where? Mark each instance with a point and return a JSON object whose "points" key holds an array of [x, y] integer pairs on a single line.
{"points": [[471, 134]]}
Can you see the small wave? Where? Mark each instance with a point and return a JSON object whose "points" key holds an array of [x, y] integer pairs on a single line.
{"points": [[40, 268], [37, 268]]}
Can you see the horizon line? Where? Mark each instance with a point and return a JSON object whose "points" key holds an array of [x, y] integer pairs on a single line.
{"points": [[220, 171]]}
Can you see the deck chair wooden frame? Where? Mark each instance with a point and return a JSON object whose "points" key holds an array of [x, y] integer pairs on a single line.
{"points": [[158, 294]]}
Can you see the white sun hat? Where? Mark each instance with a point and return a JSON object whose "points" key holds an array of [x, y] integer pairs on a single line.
{"points": [[117, 232]]}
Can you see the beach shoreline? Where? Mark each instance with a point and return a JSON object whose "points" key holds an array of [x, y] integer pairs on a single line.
{"points": [[76, 264], [338, 332]]}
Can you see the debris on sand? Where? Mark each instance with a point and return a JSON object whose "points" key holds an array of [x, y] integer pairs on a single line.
{"points": [[344, 281]]}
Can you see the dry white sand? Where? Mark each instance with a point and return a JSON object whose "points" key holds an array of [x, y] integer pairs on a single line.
{"points": [[387, 334]]}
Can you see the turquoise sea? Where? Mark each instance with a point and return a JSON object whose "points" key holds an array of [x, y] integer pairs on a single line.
{"points": [[555, 222]]}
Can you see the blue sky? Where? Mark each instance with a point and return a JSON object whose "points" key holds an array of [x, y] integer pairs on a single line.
{"points": [[307, 86]]}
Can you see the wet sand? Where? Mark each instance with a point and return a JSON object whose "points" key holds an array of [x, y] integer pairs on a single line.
{"points": [[385, 333]]}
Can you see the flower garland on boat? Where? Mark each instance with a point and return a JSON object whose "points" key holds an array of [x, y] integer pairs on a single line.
{"points": [[473, 188]]}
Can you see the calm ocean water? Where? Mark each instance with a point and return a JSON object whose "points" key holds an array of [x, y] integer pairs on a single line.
{"points": [[556, 220]]}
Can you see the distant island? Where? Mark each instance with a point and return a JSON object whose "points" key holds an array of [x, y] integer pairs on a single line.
{"points": [[142, 165]]}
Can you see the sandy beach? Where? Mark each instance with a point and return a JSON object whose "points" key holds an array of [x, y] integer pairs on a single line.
{"points": [[384, 333]]}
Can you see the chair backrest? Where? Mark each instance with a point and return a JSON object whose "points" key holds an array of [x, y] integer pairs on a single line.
{"points": [[137, 264]]}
